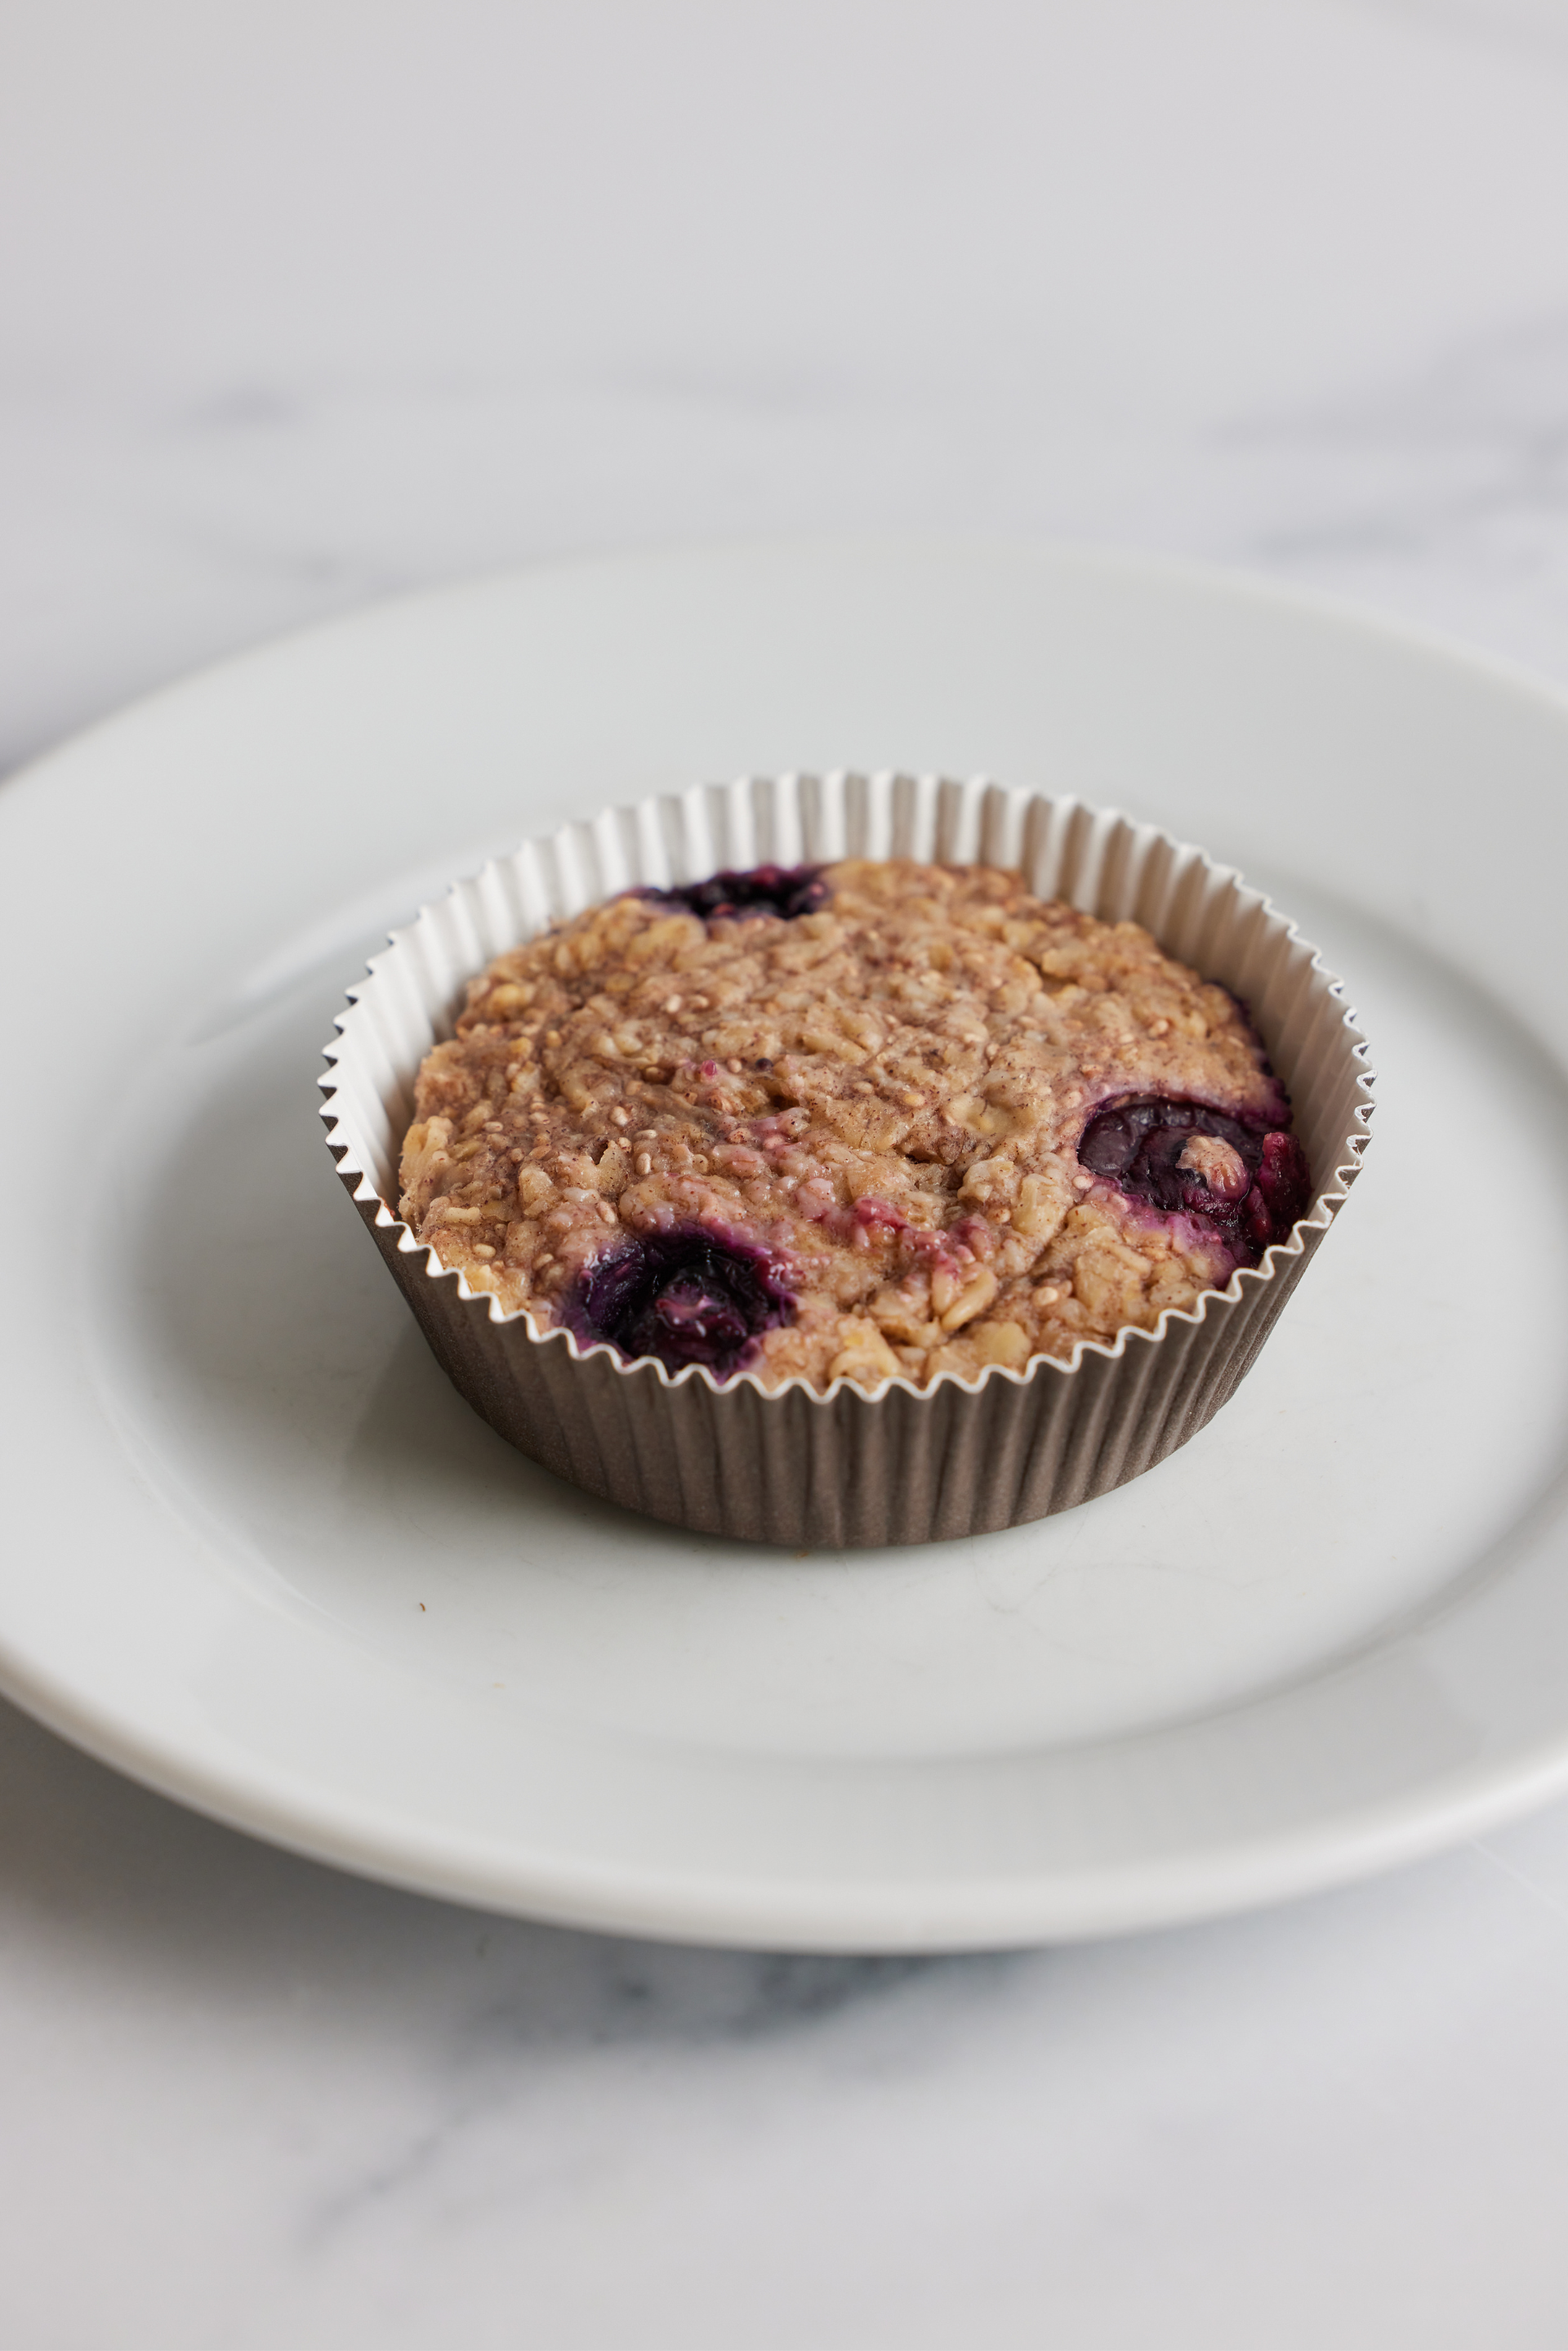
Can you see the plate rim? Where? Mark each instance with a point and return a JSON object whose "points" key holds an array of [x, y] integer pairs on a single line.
{"points": [[1333, 607], [872, 1918]]}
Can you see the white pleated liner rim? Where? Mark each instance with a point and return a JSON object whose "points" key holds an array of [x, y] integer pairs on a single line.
{"points": [[1097, 860]]}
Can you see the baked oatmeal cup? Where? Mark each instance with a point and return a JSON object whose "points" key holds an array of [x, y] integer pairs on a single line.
{"points": [[863, 1197], [857, 1121]]}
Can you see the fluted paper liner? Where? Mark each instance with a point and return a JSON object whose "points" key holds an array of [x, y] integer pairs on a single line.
{"points": [[904, 1464]]}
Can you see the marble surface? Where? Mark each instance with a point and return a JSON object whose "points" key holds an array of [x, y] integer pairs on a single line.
{"points": [[303, 304]]}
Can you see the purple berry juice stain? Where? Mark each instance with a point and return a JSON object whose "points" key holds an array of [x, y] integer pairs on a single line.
{"points": [[1138, 1145], [786, 890], [691, 1296]]}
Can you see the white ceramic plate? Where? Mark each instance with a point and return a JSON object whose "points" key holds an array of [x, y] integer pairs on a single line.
{"points": [[259, 1554]]}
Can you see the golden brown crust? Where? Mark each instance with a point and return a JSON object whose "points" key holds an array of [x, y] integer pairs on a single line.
{"points": [[887, 1095]]}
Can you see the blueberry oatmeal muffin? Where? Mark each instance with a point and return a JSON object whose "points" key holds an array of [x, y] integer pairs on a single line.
{"points": [[863, 1121]]}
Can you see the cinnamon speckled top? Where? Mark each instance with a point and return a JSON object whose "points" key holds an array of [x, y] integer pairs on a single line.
{"points": [[867, 1121]]}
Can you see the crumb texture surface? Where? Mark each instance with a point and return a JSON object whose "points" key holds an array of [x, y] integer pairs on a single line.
{"points": [[927, 1122]]}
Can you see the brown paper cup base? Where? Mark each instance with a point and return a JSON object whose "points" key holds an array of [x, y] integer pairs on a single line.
{"points": [[905, 1466]]}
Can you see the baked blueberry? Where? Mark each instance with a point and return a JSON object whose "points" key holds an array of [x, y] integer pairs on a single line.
{"points": [[782, 890], [688, 1297], [1248, 1184]]}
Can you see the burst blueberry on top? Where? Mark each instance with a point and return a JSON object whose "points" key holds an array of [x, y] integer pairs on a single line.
{"points": [[695, 1294], [860, 1121], [1244, 1183], [786, 890]]}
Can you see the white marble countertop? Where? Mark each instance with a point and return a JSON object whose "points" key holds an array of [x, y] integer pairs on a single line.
{"points": [[303, 304]]}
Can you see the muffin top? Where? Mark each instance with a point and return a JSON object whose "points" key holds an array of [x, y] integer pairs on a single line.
{"points": [[865, 1120]]}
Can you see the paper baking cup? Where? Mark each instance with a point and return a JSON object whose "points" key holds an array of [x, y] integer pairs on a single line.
{"points": [[904, 1464]]}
